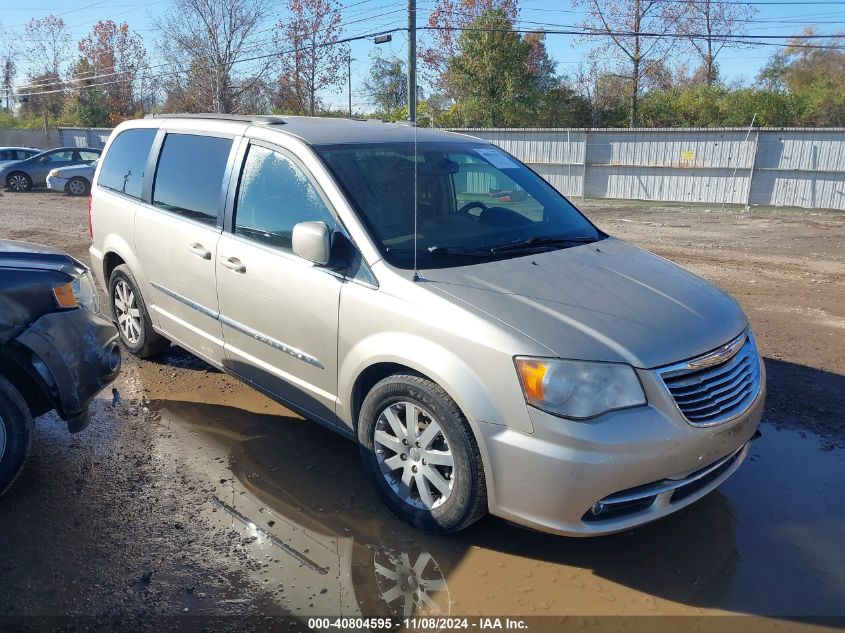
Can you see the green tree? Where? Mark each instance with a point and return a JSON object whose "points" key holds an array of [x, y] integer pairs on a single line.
{"points": [[498, 78], [87, 105]]}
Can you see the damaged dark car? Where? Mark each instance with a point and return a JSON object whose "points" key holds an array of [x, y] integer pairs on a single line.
{"points": [[56, 351]]}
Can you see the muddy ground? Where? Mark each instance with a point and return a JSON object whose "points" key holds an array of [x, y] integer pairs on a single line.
{"points": [[194, 495]]}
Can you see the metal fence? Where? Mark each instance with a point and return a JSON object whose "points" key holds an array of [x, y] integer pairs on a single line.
{"points": [[800, 167]]}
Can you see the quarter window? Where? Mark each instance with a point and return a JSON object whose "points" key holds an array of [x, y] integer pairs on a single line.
{"points": [[189, 177], [124, 164], [88, 156], [274, 195]]}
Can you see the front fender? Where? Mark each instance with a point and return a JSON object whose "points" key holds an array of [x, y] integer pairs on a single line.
{"points": [[495, 401], [75, 354]]}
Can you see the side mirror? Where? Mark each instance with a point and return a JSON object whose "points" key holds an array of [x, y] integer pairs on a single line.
{"points": [[312, 241]]}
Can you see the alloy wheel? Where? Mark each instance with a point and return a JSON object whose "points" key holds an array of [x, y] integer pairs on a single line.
{"points": [[410, 588], [414, 455], [127, 312], [18, 182], [76, 187]]}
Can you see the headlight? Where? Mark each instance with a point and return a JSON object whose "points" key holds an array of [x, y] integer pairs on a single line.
{"points": [[578, 389], [53, 173], [80, 292]]}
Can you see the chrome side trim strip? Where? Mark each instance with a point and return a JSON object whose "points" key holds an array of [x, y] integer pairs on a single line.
{"points": [[268, 340], [188, 302], [240, 327]]}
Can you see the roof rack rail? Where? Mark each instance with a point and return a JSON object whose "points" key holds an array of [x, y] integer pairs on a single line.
{"points": [[260, 119]]}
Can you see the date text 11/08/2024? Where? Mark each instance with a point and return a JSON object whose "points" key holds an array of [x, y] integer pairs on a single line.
{"points": [[420, 623]]}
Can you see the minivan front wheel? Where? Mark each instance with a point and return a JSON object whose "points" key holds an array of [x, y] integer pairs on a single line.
{"points": [[421, 455], [131, 317]]}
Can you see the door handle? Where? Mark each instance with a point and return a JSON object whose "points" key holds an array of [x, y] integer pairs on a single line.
{"points": [[199, 250], [233, 264]]}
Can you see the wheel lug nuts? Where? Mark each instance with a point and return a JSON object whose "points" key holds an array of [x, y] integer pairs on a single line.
{"points": [[403, 457], [405, 442], [414, 468], [423, 462], [417, 444]]}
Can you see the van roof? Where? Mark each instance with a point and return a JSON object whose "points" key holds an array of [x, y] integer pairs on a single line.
{"points": [[330, 130]]}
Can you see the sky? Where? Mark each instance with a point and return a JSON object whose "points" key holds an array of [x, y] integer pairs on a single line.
{"points": [[773, 17]]}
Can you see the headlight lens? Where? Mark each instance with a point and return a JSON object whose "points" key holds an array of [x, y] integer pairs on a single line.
{"points": [[86, 292], [53, 173], [578, 389], [80, 292]]}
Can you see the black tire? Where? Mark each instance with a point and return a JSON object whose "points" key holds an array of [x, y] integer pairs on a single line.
{"points": [[85, 189], [16, 434], [18, 181], [148, 343], [467, 501]]}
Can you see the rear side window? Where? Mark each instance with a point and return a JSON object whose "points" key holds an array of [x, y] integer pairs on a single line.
{"points": [[274, 196], [189, 177], [57, 157], [124, 164], [88, 156]]}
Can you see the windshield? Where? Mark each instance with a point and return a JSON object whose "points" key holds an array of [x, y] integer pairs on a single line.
{"points": [[473, 200]]}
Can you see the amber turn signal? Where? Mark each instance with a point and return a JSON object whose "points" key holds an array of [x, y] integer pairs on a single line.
{"points": [[65, 297], [532, 373]]}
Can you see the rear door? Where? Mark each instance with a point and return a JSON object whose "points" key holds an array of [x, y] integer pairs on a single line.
{"points": [[279, 311], [39, 169], [176, 235]]}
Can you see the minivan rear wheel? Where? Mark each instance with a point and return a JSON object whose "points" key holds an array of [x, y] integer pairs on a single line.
{"points": [[131, 316], [421, 455]]}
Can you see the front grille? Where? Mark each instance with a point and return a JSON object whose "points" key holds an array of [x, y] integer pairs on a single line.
{"points": [[722, 389]]}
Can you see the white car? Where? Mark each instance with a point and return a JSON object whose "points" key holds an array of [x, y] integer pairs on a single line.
{"points": [[75, 180]]}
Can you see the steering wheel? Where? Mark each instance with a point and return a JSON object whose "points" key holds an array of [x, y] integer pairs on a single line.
{"points": [[475, 204]]}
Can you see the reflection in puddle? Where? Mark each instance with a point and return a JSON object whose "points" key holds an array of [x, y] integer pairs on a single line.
{"points": [[766, 543]]}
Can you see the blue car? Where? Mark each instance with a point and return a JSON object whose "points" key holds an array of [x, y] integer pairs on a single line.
{"points": [[23, 175]]}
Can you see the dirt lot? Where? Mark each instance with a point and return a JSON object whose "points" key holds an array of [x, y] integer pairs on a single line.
{"points": [[196, 495]]}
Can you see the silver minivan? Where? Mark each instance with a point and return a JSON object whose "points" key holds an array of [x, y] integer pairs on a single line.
{"points": [[429, 296]]}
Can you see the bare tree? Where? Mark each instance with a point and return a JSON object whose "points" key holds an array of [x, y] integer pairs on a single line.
{"points": [[636, 33], [48, 53], [49, 45], [707, 21], [311, 58], [8, 54], [209, 38]]}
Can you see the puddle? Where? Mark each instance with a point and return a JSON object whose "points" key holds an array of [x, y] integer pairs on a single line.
{"points": [[767, 543]]}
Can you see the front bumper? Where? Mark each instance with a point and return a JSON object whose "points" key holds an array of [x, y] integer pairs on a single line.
{"points": [[551, 479], [56, 184], [74, 355]]}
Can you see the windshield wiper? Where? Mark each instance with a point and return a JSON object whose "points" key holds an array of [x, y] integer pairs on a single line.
{"points": [[543, 240], [454, 250]]}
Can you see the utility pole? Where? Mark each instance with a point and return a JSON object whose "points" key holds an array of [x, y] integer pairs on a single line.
{"points": [[349, 78], [412, 61]]}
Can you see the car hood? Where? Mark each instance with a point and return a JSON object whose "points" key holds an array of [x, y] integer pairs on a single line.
{"points": [[607, 301], [26, 256]]}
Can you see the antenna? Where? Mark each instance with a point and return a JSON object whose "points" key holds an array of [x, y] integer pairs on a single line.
{"points": [[417, 276]]}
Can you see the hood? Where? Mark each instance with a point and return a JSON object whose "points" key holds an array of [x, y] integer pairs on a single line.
{"points": [[607, 301], [26, 256]]}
